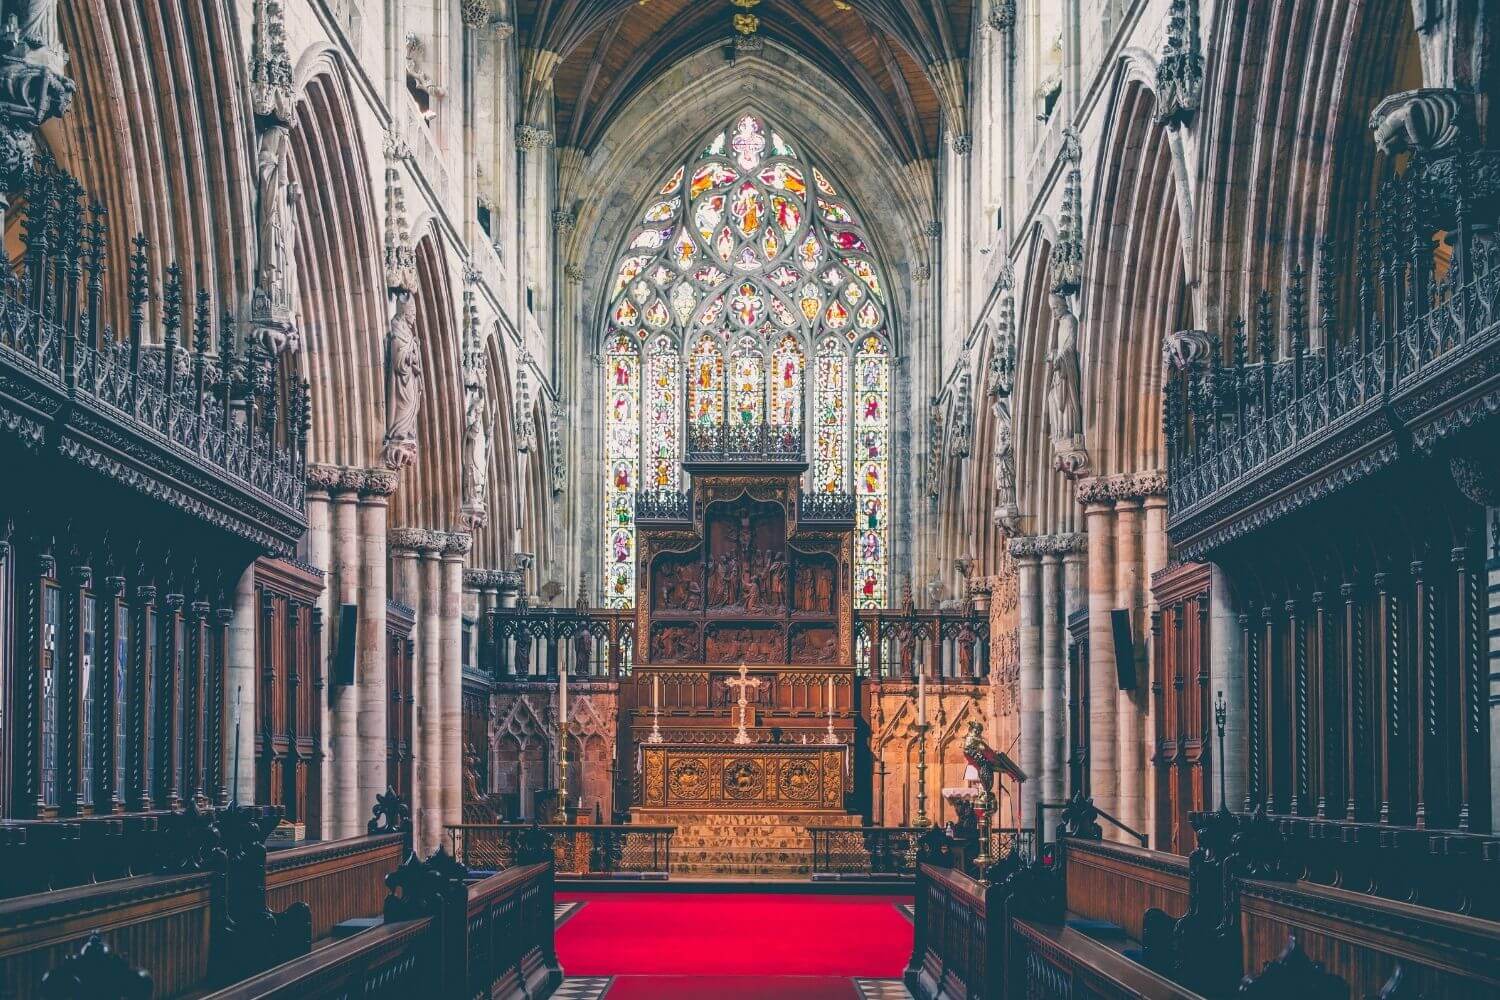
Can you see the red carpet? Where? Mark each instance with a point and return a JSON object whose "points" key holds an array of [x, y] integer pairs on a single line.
{"points": [[734, 946]]}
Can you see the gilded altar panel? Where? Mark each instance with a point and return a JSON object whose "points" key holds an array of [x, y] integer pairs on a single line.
{"points": [[743, 777]]}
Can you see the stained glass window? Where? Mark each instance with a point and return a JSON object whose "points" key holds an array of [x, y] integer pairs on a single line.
{"points": [[785, 404], [872, 379], [831, 433], [622, 450], [745, 262], [663, 416], [706, 390]]}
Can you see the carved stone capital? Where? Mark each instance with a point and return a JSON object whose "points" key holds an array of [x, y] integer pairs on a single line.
{"points": [[323, 478], [564, 222], [529, 137], [932, 229], [1029, 546], [922, 273], [456, 544], [472, 517], [1124, 486], [574, 273], [963, 143], [1002, 15], [1185, 350], [379, 483], [412, 539], [486, 579], [1070, 457], [503, 29]]}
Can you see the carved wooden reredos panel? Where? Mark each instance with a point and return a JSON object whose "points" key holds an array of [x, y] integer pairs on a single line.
{"points": [[747, 582]]}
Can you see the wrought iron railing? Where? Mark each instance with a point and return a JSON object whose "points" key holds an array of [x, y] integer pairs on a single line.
{"points": [[663, 505], [739, 442], [826, 507], [231, 413], [841, 853], [624, 851], [1414, 314]]}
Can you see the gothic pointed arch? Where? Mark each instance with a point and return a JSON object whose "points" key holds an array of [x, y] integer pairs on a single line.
{"points": [[747, 264]]}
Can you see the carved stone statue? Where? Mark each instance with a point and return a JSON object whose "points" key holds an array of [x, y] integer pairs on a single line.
{"points": [[403, 383], [1065, 392], [476, 440], [274, 304], [1006, 514], [37, 20]]}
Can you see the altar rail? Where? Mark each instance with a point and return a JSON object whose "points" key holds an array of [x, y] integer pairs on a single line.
{"points": [[197, 923], [841, 853], [579, 851], [533, 644]]}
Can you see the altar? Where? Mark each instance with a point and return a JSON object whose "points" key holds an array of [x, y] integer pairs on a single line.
{"points": [[760, 778], [743, 701]]}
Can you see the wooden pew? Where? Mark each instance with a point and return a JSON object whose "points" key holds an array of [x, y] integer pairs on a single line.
{"points": [[338, 880], [1118, 883], [161, 922], [491, 938], [1362, 938]]}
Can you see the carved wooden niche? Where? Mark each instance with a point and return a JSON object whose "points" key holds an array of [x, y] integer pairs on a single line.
{"points": [[746, 564], [751, 643], [814, 643], [674, 642], [814, 586]]}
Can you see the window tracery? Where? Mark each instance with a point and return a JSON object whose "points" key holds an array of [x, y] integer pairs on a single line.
{"points": [[745, 262]]}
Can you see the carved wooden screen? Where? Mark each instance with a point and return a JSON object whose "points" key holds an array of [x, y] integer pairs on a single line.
{"points": [[1183, 714], [287, 716]]}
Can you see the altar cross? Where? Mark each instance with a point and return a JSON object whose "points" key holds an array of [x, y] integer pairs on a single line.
{"points": [[745, 683]]}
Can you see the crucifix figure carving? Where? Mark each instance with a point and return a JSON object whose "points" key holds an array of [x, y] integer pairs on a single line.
{"points": [[745, 683]]}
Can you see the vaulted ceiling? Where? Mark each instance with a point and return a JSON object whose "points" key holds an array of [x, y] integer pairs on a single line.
{"points": [[904, 61]]}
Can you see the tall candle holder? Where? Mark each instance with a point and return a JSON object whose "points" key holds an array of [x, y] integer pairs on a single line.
{"points": [[655, 735], [830, 738], [921, 823]]}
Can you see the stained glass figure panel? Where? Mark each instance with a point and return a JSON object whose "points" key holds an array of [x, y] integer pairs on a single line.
{"points": [[831, 433], [872, 377], [622, 443]]}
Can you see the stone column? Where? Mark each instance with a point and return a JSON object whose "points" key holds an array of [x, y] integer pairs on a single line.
{"points": [[345, 814], [1076, 599], [370, 655], [1054, 670], [406, 586], [1153, 488], [1132, 764], [455, 549], [240, 684], [1028, 577], [1104, 771], [1226, 669], [429, 706], [321, 480]]}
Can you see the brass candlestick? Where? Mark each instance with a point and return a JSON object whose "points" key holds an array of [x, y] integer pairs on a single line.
{"points": [[984, 810], [922, 823]]}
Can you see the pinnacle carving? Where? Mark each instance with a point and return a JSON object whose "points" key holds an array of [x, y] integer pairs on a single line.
{"points": [[1002, 16], [1179, 75], [1065, 263]]}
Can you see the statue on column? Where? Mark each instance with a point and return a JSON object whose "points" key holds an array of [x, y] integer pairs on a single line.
{"points": [[38, 25], [1065, 392], [403, 382], [476, 439], [273, 304]]}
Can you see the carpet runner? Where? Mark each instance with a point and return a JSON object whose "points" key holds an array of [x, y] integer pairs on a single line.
{"points": [[733, 946]]}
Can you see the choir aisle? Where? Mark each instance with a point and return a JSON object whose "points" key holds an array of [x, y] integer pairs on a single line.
{"points": [[732, 946]]}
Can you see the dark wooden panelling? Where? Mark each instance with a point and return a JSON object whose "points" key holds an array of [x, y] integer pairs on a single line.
{"points": [[337, 880]]}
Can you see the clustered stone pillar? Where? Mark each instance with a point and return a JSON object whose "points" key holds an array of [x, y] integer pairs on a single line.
{"points": [[1045, 601], [455, 548], [346, 515], [431, 570], [1126, 516], [371, 653]]}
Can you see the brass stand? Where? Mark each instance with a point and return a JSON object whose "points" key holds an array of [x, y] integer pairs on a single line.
{"points": [[562, 778], [922, 823], [983, 812]]}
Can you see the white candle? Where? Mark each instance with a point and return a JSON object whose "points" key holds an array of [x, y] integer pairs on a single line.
{"points": [[921, 699], [562, 695], [830, 696], [656, 692]]}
